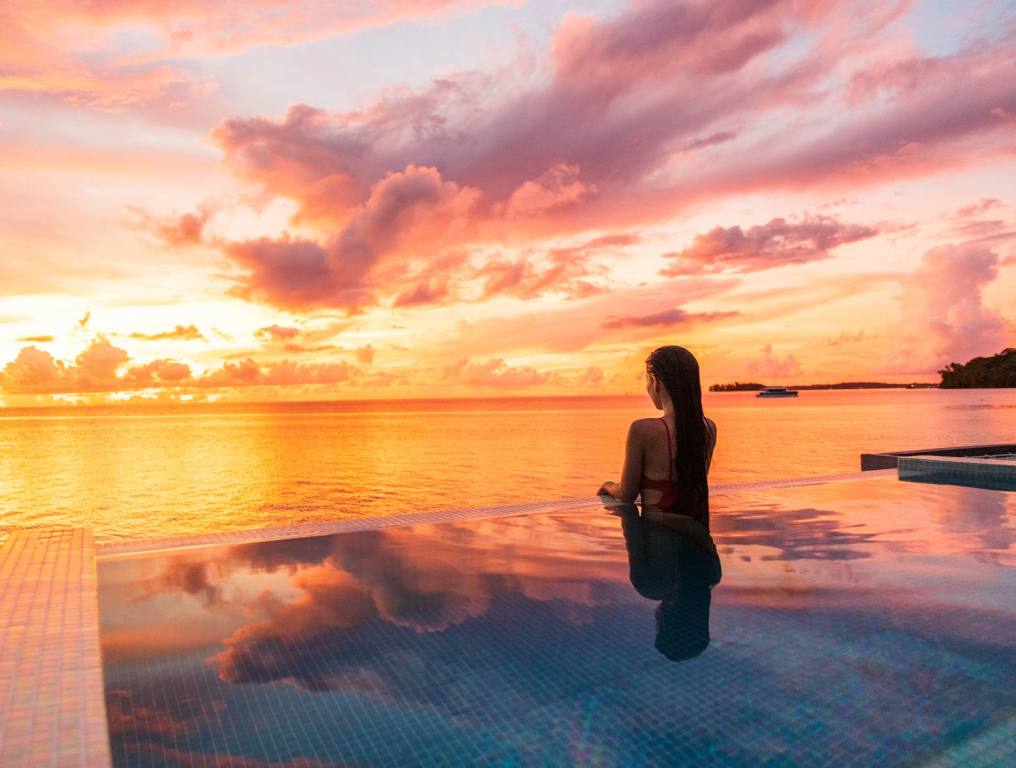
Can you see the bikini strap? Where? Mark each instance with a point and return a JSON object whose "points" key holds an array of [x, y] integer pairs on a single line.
{"points": [[670, 455]]}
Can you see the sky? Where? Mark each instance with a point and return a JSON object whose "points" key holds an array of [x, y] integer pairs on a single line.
{"points": [[441, 198]]}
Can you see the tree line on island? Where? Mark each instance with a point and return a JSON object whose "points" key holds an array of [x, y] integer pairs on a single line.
{"points": [[994, 371]]}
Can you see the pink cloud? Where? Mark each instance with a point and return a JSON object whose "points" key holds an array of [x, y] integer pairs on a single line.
{"points": [[944, 319], [558, 187], [526, 278], [628, 101], [178, 231], [495, 373], [659, 40], [192, 27], [667, 318], [767, 246], [73, 53], [770, 365], [978, 207]]}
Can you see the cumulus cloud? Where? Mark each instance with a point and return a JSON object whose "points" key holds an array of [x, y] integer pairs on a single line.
{"points": [[299, 273], [102, 367], [36, 371], [944, 318], [770, 365], [766, 246], [157, 372], [662, 106], [558, 187]]}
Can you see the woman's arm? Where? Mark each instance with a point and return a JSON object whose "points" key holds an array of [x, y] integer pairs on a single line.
{"points": [[631, 475]]}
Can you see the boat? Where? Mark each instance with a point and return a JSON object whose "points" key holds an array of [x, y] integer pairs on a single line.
{"points": [[777, 392]]}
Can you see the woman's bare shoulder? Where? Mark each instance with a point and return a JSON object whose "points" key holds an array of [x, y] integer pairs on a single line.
{"points": [[642, 426], [710, 427]]}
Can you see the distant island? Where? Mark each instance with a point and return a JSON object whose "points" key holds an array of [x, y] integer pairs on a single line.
{"points": [[995, 371], [752, 386]]}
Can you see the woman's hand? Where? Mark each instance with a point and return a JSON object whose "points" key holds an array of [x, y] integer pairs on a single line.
{"points": [[609, 488]]}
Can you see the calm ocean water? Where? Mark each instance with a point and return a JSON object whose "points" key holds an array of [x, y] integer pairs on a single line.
{"points": [[170, 470]]}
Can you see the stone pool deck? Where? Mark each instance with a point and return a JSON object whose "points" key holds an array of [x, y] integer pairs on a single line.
{"points": [[52, 703]]}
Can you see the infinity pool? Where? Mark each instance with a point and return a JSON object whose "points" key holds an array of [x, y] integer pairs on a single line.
{"points": [[850, 623]]}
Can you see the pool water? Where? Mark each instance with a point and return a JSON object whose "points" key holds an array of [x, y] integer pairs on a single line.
{"points": [[851, 623]]}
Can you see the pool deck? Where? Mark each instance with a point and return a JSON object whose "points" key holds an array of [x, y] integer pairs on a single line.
{"points": [[52, 704]]}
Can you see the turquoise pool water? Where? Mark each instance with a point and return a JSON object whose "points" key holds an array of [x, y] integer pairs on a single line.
{"points": [[852, 623]]}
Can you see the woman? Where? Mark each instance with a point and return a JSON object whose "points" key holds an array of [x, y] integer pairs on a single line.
{"points": [[667, 459]]}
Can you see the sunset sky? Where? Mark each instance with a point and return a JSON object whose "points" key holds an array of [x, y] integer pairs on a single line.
{"points": [[317, 200]]}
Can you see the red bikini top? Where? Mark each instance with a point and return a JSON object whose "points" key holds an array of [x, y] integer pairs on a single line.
{"points": [[667, 487]]}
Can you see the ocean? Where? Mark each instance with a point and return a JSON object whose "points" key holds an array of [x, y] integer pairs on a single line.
{"points": [[139, 472]]}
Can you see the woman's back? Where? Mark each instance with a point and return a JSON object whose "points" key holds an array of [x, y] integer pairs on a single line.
{"points": [[660, 489]]}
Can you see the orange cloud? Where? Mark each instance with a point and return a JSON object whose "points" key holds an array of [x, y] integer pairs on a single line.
{"points": [[157, 372], [179, 333], [365, 354], [295, 273], [98, 369], [248, 373], [277, 332]]}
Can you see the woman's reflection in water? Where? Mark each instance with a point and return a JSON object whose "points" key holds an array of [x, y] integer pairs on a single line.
{"points": [[672, 558]]}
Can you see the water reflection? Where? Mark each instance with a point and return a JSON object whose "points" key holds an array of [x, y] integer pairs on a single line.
{"points": [[672, 558], [529, 639]]}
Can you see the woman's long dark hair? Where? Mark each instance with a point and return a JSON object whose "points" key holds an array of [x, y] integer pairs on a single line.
{"points": [[678, 371]]}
